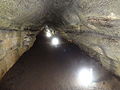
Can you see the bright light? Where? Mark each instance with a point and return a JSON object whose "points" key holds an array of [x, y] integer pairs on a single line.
{"points": [[55, 41], [48, 34], [48, 31], [85, 77]]}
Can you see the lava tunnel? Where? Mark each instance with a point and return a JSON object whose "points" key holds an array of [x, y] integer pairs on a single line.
{"points": [[91, 25]]}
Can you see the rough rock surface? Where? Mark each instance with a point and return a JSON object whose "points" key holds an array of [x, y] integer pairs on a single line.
{"points": [[16, 30], [12, 45], [94, 26], [91, 24]]}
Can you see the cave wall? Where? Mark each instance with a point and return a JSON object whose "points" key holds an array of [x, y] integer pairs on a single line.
{"points": [[18, 29], [91, 24], [94, 25], [12, 45]]}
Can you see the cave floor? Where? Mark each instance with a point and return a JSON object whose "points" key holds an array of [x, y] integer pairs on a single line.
{"points": [[44, 67]]}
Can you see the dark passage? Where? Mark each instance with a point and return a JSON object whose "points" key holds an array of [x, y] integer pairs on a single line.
{"points": [[45, 67]]}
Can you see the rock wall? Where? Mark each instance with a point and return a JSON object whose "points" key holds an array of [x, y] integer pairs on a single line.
{"points": [[18, 29], [94, 25], [12, 45]]}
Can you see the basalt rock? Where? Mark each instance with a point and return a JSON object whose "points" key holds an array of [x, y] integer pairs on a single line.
{"points": [[94, 25]]}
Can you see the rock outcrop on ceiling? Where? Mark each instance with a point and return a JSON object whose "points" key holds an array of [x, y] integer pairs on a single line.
{"points": [[91, 24]]}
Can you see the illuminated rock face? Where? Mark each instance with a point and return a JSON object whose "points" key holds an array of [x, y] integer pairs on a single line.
{"points": [[12, 45], [94, 25], [18, 29]]}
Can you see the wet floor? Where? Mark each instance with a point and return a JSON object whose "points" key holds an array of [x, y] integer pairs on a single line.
{"points": [[45, 67]]}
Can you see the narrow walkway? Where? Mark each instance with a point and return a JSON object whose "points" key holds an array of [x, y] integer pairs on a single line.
{"points": [[44, 67]]}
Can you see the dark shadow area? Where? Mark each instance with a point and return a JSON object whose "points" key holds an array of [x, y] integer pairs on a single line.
{"points": [[45, 67]]}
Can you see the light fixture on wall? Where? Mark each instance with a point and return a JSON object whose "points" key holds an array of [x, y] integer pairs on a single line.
{"points": [[48, 31], [48, 34]]}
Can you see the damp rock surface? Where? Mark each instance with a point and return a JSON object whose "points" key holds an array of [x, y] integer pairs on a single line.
{"points": [[13, 44], [94, 26]]}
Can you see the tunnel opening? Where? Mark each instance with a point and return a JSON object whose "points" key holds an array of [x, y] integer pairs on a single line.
{"points": [[43, 64]]}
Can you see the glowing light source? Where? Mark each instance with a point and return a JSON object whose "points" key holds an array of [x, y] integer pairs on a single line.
{"points": [[48, 31], [48, 34], [85, 77], [55, 41]]}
